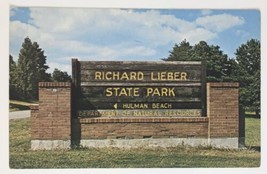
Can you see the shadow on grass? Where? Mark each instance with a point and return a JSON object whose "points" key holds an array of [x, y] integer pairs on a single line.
{"points": [[253, 116], [16, 107]]}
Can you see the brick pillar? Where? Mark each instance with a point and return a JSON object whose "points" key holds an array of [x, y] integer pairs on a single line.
{"points": [[223, 113], [34, 122], [51, 126]]}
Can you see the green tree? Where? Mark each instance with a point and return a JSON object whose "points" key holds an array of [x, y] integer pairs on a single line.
{"points": [[60, 76], [248, 58], [181, 52], [31, 69], [218, 64], [12, 78]]}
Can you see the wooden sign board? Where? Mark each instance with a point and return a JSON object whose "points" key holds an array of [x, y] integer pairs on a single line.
{"points": [[139, 88]]}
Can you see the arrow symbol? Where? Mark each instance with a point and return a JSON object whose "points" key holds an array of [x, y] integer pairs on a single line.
{"points": [[116, 105]]}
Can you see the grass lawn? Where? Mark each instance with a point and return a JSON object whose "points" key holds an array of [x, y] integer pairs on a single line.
{"points": [[22, 157], [252, 133]]}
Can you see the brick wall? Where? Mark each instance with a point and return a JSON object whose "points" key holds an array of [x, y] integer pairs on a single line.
{"points": [[52, 120], [34, 121], [223, 109], [136, 128], [221, 123]]}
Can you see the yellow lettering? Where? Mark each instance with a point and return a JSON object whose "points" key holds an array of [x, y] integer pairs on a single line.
{"points": [[171, 92], [155, 105], [160, 92], [177, 76], [123, 92], [136, 92], [162, 76], [140, 75], [183, 75], [164, 92], [124, 76], [132, 75], [108, 77], [166, 105], [149, 91], [156, 92], [170, 75], [116, 75], [152, 76], [108, 92], [97, 75], [161, 106], [116, 91]]}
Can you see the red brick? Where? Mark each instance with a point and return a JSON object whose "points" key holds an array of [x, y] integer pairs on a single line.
{"points": [[223, 109], [52, 121]]}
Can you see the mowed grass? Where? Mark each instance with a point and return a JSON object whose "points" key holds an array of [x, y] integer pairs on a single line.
{"points": [[22, 157], [252, 133]]}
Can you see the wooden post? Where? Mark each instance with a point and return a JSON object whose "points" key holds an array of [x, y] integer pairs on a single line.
{"points": [[75, 70], [203, 89]]}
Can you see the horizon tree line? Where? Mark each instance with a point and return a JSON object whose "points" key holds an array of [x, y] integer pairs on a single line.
{"points": [[31, 68]]}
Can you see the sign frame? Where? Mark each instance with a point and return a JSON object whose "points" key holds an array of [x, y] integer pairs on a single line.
{"points": [[77, 67]]}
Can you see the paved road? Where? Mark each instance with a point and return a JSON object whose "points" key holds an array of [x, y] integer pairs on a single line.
{"points": [[19, 114]]}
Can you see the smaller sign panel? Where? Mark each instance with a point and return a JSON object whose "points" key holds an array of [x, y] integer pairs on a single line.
{"points": [[167, 89], [141, 113]]}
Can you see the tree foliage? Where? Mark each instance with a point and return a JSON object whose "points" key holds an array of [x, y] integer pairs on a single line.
{"points": [[219, 66], [245, 69], [12, 78], [31, 69], [248, 58], [60, 76], [181, 52]]}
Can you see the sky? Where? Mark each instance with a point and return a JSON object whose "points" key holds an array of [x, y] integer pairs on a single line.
{"points": [[126, 34]]}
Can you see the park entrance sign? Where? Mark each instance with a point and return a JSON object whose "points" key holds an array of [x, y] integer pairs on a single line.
{"points": [[146, 89], [136, 104]]}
